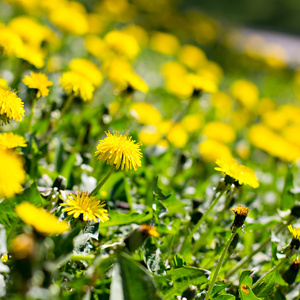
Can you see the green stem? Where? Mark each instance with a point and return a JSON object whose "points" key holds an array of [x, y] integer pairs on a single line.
{"points": [[220, 262], [51, 127], [247, 258], [185, 112], [269, 272], [12, 229], [87, 257], [31, 113], [99, 186], [189, 236]]}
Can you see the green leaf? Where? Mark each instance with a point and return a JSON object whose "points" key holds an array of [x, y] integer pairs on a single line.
{"points": [[225, 297], [117, 218], [264, 289], [67, 168], [218, 288], [181, 279], [131, 281], [245, 286], [287, 198]]}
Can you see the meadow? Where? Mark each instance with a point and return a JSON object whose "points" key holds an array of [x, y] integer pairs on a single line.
{"points": [[147, 151]]}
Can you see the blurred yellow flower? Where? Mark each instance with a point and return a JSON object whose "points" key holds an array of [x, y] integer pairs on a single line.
{"points": [[3, 84], [119, 150], [25, 26], [223, 104], [121, 43], [164, 43], [238, 172], [211, 71], [32, 54], [64, 15], [12, 174], [149, 230], [11, 106], [192, 57], [22, 246], [77, 84], [173, 69], [246, 92], [177, 136], [42, 221], [291, 134], [11, 43], [193, 122], [95, 46], [38, 81], [219, 131], [266, 104], [275, 119], [4, 258], [8, 140], [145, 113], [89, 206], [88, 69], [211, 150], [149, 135], [139, 33], [265, 139]]}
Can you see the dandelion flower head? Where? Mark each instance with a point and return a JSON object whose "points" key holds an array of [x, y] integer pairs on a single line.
{"points": [[89, 206], [241, 210], [149, 230], [119, 150], [295, 232], [11, 106], [38, 81], [12, 174], [77, 84], [42, 221], [238, 172], [8, 140]]}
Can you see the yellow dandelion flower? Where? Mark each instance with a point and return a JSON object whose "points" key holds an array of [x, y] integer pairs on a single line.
{"points": [[89, 206], [192, 56], [8, 140], [122, 43], [22, 246], [145, 113], [11, 106], [12, 174], [119, 150], [42, 221], [3, 84], [238, 172], [241, 212], [87, 69], [295, 243], [295, 232], [149, 230], [77, 84], [4, 258], [10, 42], [38, 81], [164, 43], [219, 131]]}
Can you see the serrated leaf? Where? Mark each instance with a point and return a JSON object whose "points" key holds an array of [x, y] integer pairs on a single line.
{"points": [[131, 281], [116, 218], [265, 288], [181, 279], [287, 197]]}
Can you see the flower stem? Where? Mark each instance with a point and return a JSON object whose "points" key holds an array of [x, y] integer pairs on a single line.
{"points": [[220, 262], [248, 257], [269, 272], [31, 113], [52, 125], [99, 186], [87, 257]]}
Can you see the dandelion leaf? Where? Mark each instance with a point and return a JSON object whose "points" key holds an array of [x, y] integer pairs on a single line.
{"points": [[245, 286], [131, 281]]}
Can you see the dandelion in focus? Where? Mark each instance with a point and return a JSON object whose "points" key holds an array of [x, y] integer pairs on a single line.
{"points": [[86, 205], [295, 243], [241, 212], [237, 172], [42, 221], [119, 150], [11, 106]]}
